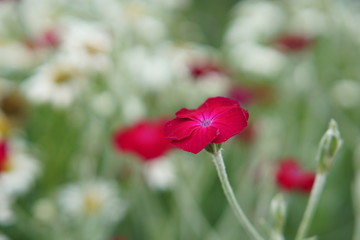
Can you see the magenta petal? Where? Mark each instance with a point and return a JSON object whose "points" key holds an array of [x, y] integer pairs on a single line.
{"points": [[209, 107], [187, 113], [198, 140], [230, 122], [218, 102], [179, 128]]}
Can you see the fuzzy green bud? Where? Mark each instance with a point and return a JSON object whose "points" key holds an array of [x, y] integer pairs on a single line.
{"points": [[329, 145], [278, 212]]}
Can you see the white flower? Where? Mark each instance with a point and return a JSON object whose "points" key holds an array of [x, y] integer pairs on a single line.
{"points": [[89, 43], [45, 210], [150, 68], [19, 173], [139, 21], [95, 198], [58, 82], [309, 21], [346, 93], [6, 214], [258, 60], [252, 22], [39, 15], [7, 16], [15, 55], [159, 173]]}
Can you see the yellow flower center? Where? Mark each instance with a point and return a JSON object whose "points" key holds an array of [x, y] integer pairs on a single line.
{"points": [[92, 49], [92, 203], [62, 76], [134, 11], [4, 126], [8, 166]]}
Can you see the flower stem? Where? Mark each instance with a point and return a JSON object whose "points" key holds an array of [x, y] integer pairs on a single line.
{"points": [[229, 193], [312, 204]]}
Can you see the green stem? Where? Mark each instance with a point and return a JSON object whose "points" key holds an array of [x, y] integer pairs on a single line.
{"points": [[229, 193], [311, 206]]}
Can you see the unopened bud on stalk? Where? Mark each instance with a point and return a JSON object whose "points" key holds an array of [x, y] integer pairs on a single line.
{"points": [[278, 213], [329, 145]]}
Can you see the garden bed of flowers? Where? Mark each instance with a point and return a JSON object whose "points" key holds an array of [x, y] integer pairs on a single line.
{"points": [[179, 120]]}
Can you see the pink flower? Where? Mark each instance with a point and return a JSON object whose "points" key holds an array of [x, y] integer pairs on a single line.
{"points": [[48, 39], [3, 154], [250, 94], [144, 139], [248, 136], [204, 69], [215, 121], [293, 43], [291, 177]]}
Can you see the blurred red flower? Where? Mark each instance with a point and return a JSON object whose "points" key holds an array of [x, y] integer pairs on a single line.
{"points": [[293, 43], [291, 177], [3, 154], [48, 39], [203, 69], [248, 136], [144, 139], [250, 94], [215, 121]]}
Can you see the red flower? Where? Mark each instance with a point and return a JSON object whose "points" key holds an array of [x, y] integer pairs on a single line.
{"points": [[291, 177], [248, 136], [3, 154], [215, 121], [203, 69], [293, 43], [145, 139], [250, 94], [48, 39]]}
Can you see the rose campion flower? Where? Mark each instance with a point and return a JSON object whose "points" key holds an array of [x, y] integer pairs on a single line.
{"points": [[247, 95], [144, 139], [203, 69], [3, 154], [291, 177], [215, 121], [293, 43], [48, 39]]}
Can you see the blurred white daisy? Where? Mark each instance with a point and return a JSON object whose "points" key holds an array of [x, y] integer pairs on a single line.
{"points": [[141, 22], [345, 92], [258, 60], [18, 172], [58, 82], [159, 173], [6, 214], [15, 55], [45, 210], [149, 67], [96, 198], [89, 43], [251, 22]]}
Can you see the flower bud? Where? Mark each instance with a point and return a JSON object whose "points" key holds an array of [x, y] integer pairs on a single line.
{"points": [[329, 145], [278, 212]]}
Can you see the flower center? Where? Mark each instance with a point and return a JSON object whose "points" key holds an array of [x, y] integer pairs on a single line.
{"points": [[62, 77], [92, 49], [92, 203], [206, 122]]}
